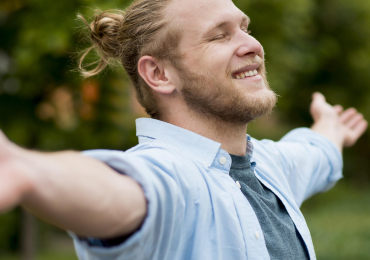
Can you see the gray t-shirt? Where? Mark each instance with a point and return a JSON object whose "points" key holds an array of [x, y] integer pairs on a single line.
{"points": [[282, 238]]}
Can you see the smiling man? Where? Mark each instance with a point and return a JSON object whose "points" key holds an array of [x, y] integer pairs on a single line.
{"points": [[196, 186], [222, 67]]}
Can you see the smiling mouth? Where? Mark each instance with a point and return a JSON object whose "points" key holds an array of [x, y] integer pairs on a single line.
{"points": [[246, 71], [246, 74]]}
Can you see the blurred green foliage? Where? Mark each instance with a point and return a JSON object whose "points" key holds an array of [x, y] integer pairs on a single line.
{"points": [[310, 45], [339, 222]]}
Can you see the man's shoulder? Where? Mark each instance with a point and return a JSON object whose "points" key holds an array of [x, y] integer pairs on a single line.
{"points": [[152, 154], [297, 136], [155, 148]]}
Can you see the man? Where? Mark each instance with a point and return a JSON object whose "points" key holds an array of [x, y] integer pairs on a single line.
{"points": [[194, 187]]}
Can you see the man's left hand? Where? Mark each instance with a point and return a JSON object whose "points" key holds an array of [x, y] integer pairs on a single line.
{"points": [[344, 128]]}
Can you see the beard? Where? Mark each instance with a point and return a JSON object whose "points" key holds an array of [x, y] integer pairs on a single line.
{"points": [[219, 97]]}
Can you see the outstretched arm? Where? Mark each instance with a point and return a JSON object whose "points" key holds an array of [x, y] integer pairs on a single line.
{"points": [[70, 190], [310, 160], [343, 128]]}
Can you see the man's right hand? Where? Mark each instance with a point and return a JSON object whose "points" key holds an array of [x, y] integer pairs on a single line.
{"points": [[15, 178], [70, 190]]}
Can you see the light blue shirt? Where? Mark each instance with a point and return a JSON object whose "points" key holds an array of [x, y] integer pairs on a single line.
{"points": [[195, 209]]}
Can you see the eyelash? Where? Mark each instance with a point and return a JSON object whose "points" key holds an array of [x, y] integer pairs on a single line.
{"points": [[218, 37], [222, 36]]}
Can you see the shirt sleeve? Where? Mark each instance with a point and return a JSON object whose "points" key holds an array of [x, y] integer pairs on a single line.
{"points": [[165, 208], [310, 162]]}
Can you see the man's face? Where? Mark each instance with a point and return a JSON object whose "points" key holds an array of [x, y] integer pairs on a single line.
{"points": [[222, 69]]}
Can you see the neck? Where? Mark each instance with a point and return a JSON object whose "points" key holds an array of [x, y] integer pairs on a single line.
{"points": [[231, 136]]}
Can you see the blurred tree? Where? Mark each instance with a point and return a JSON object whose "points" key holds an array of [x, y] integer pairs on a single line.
{"points": [[44, 103]]}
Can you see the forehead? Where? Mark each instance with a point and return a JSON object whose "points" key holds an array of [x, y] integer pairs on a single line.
{"points": [[197, 16]]}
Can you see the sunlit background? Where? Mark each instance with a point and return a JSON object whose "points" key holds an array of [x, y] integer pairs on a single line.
{"points": [[310, 45]]}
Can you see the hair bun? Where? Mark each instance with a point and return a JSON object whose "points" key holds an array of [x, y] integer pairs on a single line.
{"points": [[104, 30]]}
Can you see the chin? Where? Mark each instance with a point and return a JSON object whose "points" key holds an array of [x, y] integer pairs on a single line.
{"points": [[225, 99]]}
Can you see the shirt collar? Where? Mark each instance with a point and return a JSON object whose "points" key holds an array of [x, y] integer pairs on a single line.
{"points": [[250, 146], [196, 146]]}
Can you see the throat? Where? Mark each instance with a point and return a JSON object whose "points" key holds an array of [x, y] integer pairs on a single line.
{"points": [[231, 136]]}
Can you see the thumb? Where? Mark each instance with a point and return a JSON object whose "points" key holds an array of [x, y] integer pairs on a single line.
{"points": [[317, 97], [318, 105]]}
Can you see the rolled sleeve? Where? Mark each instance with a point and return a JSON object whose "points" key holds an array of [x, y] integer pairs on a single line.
{"points": [[165, 209], [310, 162]]}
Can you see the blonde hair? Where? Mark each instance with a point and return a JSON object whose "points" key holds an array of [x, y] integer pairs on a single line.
{"points": [[126, 36]]}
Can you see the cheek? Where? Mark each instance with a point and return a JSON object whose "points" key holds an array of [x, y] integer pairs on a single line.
{"points": [[214, 57]]}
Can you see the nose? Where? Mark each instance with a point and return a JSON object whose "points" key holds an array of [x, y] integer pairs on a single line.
{"points": [[248, 46]]}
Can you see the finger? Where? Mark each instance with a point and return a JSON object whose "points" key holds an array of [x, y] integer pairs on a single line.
{"points": [[338, 108], [317, 96], [347, 114], [317, 105], [354, 120], [359, 129]]}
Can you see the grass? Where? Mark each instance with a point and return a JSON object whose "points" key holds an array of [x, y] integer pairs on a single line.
{"points": [[46, 255], [339, 221], [58, 246]]}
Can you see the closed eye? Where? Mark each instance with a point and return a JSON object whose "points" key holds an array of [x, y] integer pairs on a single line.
{"points": [[218, 37]]}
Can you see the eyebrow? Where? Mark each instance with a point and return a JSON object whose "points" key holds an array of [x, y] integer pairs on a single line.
{"points": [[245, 18]]}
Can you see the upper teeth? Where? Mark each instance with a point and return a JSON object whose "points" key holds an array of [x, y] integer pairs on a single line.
{"points": [[242, 75]]}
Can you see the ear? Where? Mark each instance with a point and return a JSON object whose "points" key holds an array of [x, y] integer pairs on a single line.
{"points": [[156, 75]]}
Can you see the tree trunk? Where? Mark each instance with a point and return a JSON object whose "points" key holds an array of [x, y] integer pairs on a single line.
{"points": [[28, 237]]}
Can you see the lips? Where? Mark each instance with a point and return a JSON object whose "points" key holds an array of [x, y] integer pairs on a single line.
{"points": [[246, 71]]}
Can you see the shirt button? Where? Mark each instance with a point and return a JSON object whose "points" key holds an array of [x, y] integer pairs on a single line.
{"points": [[238, 184], [257, 235], [223, 160]]}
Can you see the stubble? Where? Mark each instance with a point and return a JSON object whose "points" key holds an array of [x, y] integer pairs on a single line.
{"points": [[219, 97]]}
